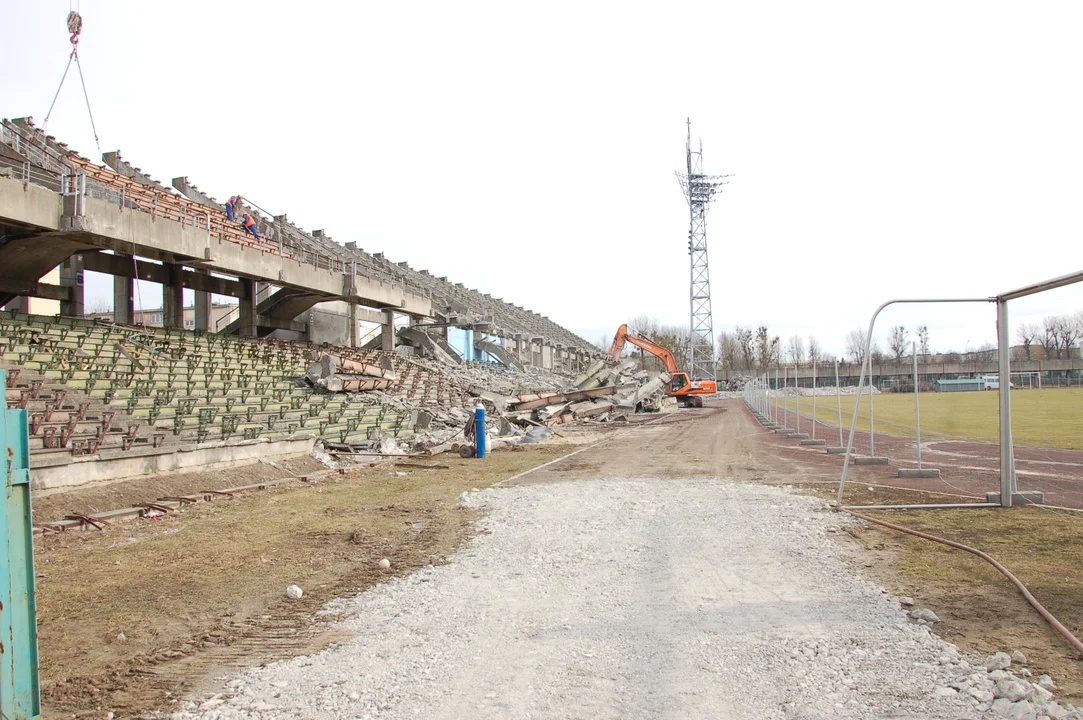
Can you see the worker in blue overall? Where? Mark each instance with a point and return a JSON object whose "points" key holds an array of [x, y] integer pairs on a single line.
{"points": [[249, 223], [231, 205]]}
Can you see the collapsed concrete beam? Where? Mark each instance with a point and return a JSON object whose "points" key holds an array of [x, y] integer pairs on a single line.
{"points": [[436, 347], [194, 194], [113, 160], [641, 392], [535, 400], [500, 353]]}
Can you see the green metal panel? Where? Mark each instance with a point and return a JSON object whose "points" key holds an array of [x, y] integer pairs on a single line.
{"points": [[19, 693]]}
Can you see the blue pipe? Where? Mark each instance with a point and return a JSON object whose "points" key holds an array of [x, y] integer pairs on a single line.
{"points": [[479, 430]]}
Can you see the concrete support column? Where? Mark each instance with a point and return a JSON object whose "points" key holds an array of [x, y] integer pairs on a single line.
{"points": [[173, 297], [203, 318], [20, 304], [519, 346], [123, 296], [387, 331], [248, 309], [354, 324], [71, 277]]}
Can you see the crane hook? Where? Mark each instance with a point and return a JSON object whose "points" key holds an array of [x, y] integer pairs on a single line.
{"points": [[75, 25]]}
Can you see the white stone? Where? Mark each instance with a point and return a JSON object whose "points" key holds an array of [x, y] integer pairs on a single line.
{"points": [[1039, 694], [999, 661], [926, 615], [980, 694], [906, 601], [294, 593], [944, 692], [1021, 710], [1019, 658], [385, 564], [1046, 682], [1055, 711], [1013, 690]]}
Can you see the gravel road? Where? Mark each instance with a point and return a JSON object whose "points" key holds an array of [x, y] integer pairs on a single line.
{"points": [[617, 597]]}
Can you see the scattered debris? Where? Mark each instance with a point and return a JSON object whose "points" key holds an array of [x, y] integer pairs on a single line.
{"points": [[294, 593]]}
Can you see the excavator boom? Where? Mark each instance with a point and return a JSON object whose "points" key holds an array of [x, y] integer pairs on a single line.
{"points": [[655, 349]]}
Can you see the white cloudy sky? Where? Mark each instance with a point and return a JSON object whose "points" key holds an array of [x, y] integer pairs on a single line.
{"points": [[879, 149]]}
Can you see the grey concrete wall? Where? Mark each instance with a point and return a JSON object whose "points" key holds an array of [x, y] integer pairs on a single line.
{"points": [[328, 322], [208, 456]]}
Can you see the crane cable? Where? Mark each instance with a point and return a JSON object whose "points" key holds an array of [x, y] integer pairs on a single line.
{"points": [[75, 26]]}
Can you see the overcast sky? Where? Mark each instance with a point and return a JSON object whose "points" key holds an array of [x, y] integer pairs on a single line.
{"points": [[879, 150]]}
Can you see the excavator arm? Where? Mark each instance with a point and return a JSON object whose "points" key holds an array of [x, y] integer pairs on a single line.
{"points": [[655, 349]]}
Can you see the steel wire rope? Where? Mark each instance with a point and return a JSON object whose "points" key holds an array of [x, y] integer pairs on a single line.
{"points": [[75, 26]]}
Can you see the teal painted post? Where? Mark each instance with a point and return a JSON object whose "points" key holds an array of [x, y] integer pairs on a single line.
{"points": [[19, 692]]}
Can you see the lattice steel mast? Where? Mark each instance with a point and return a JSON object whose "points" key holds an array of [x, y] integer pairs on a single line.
{"points": [[699, 191]]}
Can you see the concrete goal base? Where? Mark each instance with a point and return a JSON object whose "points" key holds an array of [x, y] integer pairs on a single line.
{"points": [[868, 460], [797, 436], [922, 473], [813, 442], [785, 431], [1025, 497], [836, 451]]}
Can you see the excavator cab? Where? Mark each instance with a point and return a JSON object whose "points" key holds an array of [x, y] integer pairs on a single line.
{"points": [[678, 382]]}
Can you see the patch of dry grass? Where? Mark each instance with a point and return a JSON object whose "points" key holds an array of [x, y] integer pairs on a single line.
{"points": [[165, 583]]}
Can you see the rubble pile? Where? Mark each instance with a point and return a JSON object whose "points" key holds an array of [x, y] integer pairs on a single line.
{"points": [[522, 402]]}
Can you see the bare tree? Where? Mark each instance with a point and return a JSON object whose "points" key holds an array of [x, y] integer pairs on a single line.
{"points": [[855, 344], [1069, 333], [100, 305], [1026, 335], [767, 347], [923, 340], [795, 349], [815, 354], [876, 353], [1050, 337], [644, 326], [729, 352], [987, 353], [896, 342], [743, 337]]}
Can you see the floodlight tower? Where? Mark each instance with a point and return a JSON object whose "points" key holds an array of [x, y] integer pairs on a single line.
{"points": [[699, 191]]}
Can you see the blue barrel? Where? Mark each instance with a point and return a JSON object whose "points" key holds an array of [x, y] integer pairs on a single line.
{"points": [[479, 430]]}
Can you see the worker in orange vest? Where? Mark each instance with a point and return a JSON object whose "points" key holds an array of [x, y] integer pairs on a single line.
{"points": [[250, 226], [232, 204]]}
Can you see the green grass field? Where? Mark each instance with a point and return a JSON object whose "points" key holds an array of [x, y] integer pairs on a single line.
{"points": [[1040, 418]]}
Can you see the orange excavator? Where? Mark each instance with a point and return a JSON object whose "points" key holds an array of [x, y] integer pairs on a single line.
{"points": [[688, 392]]}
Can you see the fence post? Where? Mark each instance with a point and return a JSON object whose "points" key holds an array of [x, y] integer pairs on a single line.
{"points": [[917, 403], [872, 427], [1007, 455], [838, 399], [785, 402], [813, 399], [797, 397]]}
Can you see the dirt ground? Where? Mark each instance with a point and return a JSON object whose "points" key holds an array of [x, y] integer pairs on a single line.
{"points": [[140, 614], [135, 616], [980, 609]]}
